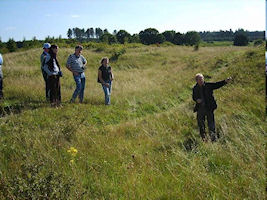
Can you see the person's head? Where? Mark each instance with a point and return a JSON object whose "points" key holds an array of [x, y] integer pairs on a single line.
{"points": [[53, 50], [46, 47], [105, 61], [199, 79], [78, 50]]}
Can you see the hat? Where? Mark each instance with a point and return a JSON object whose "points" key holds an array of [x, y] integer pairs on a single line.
{"points": [[46, 46]]}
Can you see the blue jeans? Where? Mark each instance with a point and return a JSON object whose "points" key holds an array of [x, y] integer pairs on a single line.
{"points": [[80, 85], [1, 87], [107, 91]]}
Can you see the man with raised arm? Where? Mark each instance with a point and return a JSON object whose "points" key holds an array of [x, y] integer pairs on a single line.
{"points": [[206, 104]]}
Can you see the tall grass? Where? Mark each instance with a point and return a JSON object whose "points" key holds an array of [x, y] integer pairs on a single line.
{"points": [[146, 144]]}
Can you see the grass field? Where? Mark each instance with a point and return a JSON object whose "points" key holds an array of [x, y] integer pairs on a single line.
{"points": [[146, 144]]}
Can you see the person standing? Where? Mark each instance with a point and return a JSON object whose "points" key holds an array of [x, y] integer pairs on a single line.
{"points": [[45, 53], [105, 77], [1, 77], [206, 104], [76, 64], [52, 68]]}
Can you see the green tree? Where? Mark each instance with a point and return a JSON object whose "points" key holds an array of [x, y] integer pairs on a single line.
{"points": [[123, 36], [240, 39], [160, 38], [108, 38], [98, 32], [149, 36], [169, 35], [134, 38], [87, 34], [91, 32], [11, 45], [178, 39], [192, 38], [69, 33]]}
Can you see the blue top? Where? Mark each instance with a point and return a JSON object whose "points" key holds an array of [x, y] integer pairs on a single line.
{"points": [[1, 59]]}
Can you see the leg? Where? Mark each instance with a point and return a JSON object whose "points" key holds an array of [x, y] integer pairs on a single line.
{"points": [[58, 96], [1, 88], [110, 89], [46, 84], [78, 87], [82, 90], [201, 123], [106, 91], [211, 125], [51, 88]]}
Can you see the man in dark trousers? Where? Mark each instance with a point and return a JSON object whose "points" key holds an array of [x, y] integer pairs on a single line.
{"points": [[206, 104]]}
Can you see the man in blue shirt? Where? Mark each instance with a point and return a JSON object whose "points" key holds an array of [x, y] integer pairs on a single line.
{"points": [[76, 64]]}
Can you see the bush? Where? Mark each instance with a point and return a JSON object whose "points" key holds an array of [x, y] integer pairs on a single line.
{"points": [[240, 40], [116, 54], [258, 42]]}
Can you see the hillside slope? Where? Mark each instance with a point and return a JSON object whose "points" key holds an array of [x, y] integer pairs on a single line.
{"points": [[146, 144]]}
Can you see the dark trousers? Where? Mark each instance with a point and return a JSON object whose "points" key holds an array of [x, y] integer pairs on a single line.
{"points": [[54, 88], [1, 88], [202, 114], [46, 84]]}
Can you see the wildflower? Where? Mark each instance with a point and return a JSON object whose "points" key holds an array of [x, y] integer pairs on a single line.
{"points": [[71, 161], [73, 151]]}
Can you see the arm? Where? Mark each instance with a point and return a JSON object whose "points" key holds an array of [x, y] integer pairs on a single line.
{"points": [[84, 61], [1, 59], [45, 67], [217, 85], [112, 76]]}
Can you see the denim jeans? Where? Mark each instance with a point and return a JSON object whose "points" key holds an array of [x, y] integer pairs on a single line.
{"points": [[107, 91], [1, 87], [80, 85]]}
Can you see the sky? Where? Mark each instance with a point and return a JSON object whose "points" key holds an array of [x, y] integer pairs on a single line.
{"points": [[28, 18]]}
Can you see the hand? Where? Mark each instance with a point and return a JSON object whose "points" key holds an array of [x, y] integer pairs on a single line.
{"points": [[106, 84], [75, 73], [199, 100], [228, 79]]}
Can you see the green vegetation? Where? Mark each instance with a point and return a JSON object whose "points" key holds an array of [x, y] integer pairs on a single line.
{"points": [[146, 144]]}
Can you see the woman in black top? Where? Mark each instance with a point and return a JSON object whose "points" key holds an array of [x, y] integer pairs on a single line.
{"points": [[54, 73], [105, 77]]}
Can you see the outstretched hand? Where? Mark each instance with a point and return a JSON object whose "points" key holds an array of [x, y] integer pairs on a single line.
{"points": [[229, 79]]}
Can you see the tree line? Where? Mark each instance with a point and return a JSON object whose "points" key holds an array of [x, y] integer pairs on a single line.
{"points": [[229, 35], [148, 36]]}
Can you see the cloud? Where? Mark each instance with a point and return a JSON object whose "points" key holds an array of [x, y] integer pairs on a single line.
{"points": [[48, 15], [75, 16]]}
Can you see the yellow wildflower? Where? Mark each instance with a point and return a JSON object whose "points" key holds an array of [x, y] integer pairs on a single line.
{"points": [[72, 151]]}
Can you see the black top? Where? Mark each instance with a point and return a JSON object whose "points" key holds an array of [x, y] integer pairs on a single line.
{"points": [[206, 94], [106, 73]]}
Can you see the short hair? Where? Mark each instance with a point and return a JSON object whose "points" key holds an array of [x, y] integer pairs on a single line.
{"points": [[53, 46], [198, 75], [104, 58], [79, 47]]}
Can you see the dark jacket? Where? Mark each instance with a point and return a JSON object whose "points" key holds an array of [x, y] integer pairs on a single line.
{"points": [[210, 103]]}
